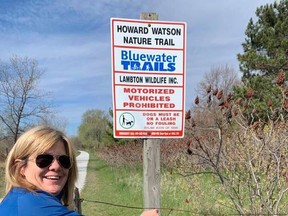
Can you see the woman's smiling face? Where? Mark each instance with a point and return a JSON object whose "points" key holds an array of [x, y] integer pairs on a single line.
{"points": [[50, 179]]}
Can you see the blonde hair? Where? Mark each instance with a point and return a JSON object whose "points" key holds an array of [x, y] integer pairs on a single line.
{"points": [[33, 142]]}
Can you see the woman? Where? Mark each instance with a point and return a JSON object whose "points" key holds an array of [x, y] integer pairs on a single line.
{"points": [[40, 175]]}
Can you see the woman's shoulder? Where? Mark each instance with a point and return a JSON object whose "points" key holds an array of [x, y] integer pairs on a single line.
{"points": [[14, 194], [38, 202], [26, 195], [18, 191], [10, 204]]}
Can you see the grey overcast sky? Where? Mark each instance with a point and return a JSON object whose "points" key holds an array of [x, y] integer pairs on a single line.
{"points": [[71, 41]]}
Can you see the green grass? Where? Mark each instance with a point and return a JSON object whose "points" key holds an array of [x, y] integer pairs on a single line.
{"points": [[195, 195], [124, 185], [116, 186]]}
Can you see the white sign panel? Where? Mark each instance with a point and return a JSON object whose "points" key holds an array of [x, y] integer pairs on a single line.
{"points": [[148, 78]]}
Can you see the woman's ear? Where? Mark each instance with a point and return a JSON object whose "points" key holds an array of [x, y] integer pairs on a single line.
{"points": [[20, 162]]}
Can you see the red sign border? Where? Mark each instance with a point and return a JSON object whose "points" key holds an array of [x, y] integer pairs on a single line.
{"points": [[147, 133]]}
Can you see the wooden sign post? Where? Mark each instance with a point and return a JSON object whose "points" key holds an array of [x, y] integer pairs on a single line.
{"points": [[151, 173], [151, 159]]}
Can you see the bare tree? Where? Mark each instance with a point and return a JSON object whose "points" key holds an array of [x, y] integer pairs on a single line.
{"points": [[221, 78], [54, 121], [21, 100]]}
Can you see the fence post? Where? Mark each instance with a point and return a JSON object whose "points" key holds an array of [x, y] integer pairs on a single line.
{"points": [[77, 200]]}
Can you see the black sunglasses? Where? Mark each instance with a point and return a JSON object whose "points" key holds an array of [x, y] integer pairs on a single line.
{"points": [[45, 160]]}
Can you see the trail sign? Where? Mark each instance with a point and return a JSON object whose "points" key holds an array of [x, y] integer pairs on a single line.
{"points": [[148, 78]]}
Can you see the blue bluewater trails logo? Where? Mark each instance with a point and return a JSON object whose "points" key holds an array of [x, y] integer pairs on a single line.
{"points": [[147, 62]]}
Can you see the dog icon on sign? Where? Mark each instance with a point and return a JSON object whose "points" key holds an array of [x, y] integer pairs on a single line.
{"points": [[127, 120]]}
